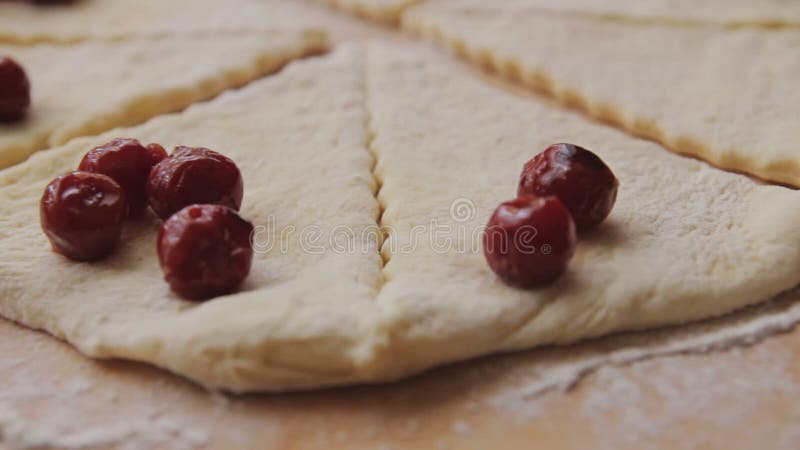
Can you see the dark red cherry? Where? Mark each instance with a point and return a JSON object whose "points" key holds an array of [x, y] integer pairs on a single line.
{"points": [[82, 214], [194, 176], [205, 251], [129, 163], [529, 240], [578, 177], [15, 90]]}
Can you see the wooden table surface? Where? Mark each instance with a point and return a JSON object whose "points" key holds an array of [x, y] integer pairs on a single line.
{"points": [[743, 397]]}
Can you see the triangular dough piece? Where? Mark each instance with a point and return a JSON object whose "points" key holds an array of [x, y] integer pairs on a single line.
{"points": [[27, 22], [685, 241], [727, 96], [769, 13], [306, 314], [91, 87], [388, 11]]}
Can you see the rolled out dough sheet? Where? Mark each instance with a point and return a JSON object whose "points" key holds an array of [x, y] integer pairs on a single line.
{"points": [[726, 96], [734, 13], [388, 11], [306, 315], [26, 22], [684, 242], [90, 87]]}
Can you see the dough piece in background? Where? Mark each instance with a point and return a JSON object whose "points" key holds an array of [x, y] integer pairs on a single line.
{"points": [[90, 87], [306, 314], [26, 22], [684, 242], [726, 96], [733, 13], [387, 11]]}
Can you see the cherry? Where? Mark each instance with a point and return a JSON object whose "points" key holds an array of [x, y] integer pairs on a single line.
{"points": [[192, 176], [82, 214], [205, 251], [128, 162], [529, 240], [15, 90], [578, 177]]}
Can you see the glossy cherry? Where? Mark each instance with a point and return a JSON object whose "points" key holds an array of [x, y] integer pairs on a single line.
{"points": [[15, 90], [578, 177], [128, 162], [194, 176], [205, 251], [529, 240], [82, 214]]}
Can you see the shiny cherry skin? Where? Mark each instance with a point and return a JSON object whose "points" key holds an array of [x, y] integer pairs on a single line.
{"points": [[529, 240], [205, 251], [128, 162], [82, 214], [578, 177], [15, 90], [193, 176]]}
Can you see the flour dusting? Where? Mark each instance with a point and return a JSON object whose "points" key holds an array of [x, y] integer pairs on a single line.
{"points": [[561, 368], [627, 406], [36, 413]]}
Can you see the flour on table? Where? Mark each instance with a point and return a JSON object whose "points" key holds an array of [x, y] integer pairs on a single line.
{"points": [[679, 393], [35, 413]]}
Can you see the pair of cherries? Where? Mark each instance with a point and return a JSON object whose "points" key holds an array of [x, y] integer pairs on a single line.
{"points": [[203, 245], [530, 240]]}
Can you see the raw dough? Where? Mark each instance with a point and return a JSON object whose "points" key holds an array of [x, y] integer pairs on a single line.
{"points": [[388, 11], [684, 242], [727, 96], [91, 87], [769, 13], [25, 22], [306, 315]]}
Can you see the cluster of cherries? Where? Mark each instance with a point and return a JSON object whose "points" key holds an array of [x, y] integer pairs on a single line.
{"points": [[530, 240], [204, 246]]}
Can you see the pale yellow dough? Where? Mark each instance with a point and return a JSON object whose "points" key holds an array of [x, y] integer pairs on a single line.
{"points": [[767, 13], [303, 319], [388, 11], [91, 87], [684, 242], [727, 96], [26, 22]]}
